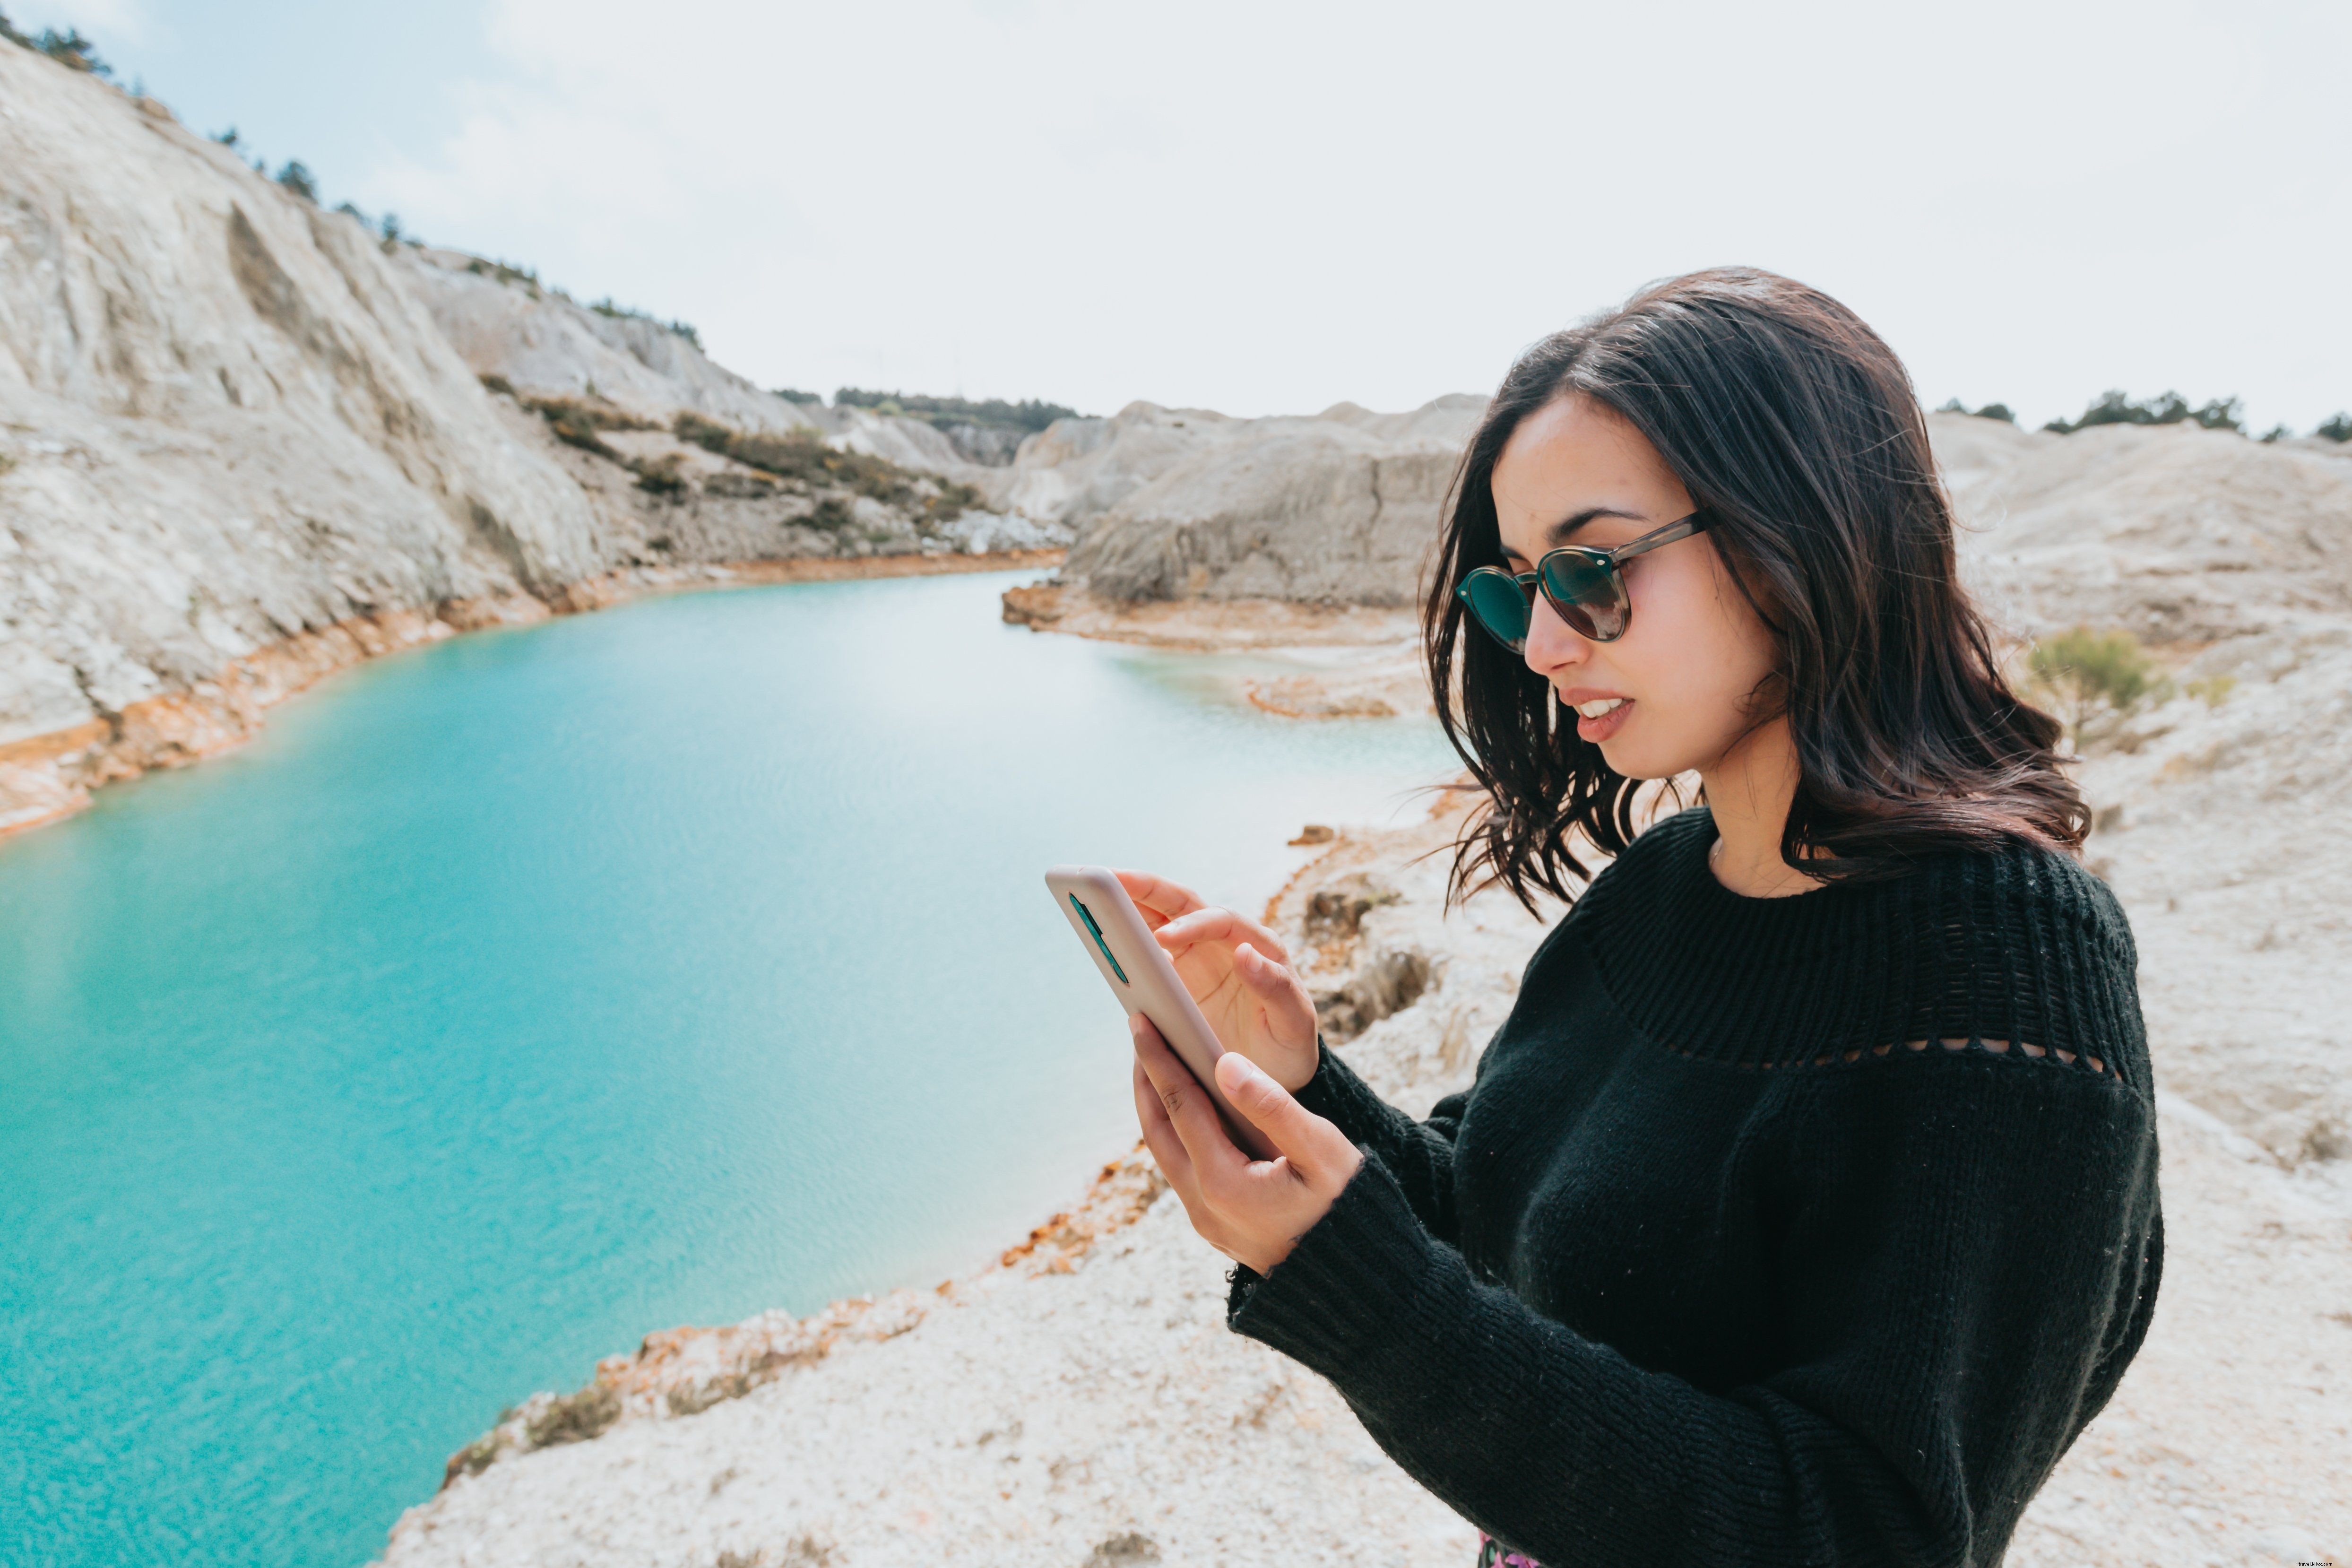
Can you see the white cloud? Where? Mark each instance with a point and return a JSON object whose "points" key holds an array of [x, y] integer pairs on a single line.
{"points": [[1268, 207]]}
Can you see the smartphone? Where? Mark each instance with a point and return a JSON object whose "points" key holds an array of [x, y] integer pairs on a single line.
{"points": [[1139, 973]]}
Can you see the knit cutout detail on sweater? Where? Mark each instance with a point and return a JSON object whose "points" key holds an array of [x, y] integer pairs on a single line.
{"points": [[1984, 1047], [2011, 955]]}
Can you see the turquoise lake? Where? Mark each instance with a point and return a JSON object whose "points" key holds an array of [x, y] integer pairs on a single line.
{"points": [[509, 999]]}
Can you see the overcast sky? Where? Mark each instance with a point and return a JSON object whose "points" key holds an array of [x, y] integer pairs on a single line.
{"points": [[1269, 209]]}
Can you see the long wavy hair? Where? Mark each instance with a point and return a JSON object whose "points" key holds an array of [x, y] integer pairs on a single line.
{"points": [[1797, 430]]}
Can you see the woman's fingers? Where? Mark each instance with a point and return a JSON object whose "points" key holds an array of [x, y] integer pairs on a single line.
{"points": [[1185, 1103], [1159, 1135], [1276, 988], [1215, 923], [1315, 1148], [1157, 898]]}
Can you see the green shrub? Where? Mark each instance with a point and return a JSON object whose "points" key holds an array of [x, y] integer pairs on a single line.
{"points": [[590, 412], [578, 421], [2212, 691], [831, 515], [575, 1417], [498, 383], [1999, 411], [2339, 428], [296, 177], [660, 476], [604, 306], [2094, 675], [802, 456], [794, 394], [475, 1456], [1029, 416], [2114, 408], [69, 48]]}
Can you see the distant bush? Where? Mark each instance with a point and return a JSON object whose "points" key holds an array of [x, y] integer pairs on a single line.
{"points": [[578, 421], [2114, 408], [794, 394], [296, 177], [575, 1417], [2339, 428], [604, 306], [2214, 691], [660, 475], [69, 48], [2095, 674], [1999, 411], [802, 456], [1030, 415], [499, 384]]}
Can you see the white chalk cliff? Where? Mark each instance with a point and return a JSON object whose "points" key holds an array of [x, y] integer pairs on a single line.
{"points": [[243, 442]]}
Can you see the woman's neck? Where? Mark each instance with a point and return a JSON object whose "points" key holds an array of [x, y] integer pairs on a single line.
{"points": [[1748, 790]]}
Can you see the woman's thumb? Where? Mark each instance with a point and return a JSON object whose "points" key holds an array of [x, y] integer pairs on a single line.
{"points": [[1251, 1089]]}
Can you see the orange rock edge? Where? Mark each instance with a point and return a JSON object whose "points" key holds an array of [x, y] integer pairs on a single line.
{"points": [[44, 778]]}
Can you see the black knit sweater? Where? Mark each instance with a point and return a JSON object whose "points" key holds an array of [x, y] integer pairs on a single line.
{"points": [[1803, 1230]]}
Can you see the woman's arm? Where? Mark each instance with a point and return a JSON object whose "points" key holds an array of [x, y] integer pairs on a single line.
{"points": [[1418, 1155], [1954, 1305]]}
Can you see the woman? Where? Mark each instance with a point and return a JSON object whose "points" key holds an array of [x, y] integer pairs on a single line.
{"points": [[1804, 1209]]}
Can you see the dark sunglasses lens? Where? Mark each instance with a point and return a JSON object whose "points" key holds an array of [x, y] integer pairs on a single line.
{"points": [[1500, 605], [1584, 591]]}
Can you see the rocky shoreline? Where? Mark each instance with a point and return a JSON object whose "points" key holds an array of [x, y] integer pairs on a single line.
{"points": [[47, 777]]}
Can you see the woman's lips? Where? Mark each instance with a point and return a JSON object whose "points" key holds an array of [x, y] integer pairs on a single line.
{"points": [[1595, 730]]}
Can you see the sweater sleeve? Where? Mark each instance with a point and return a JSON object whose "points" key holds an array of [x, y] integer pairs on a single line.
{"points": [[1957, 1296], [1418, 1155]]}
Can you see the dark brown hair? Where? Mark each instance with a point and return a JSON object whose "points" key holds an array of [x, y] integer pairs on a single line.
{"points": [[1796, 429]]}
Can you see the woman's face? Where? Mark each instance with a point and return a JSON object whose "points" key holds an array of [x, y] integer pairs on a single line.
{"points": [[1675, 693]]}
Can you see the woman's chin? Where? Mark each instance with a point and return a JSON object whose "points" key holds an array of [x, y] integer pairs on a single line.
{"points": [[1629, 758]]}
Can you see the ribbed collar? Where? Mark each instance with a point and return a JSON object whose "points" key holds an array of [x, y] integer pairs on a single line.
{"points": [[2019, 943]]}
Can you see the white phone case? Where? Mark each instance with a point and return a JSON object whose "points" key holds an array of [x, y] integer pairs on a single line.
{"points": [[1140, 974]]}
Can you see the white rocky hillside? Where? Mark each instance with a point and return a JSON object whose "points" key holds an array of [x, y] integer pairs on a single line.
{"points": [[546, 346], [1336, 507], [238, 449]]}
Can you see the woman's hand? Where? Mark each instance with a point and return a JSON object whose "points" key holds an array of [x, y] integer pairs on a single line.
{"points": [[1252, 1211], [1239, 974]]}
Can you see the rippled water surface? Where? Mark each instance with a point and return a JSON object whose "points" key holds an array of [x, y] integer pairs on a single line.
{"points": [[509, 999]]}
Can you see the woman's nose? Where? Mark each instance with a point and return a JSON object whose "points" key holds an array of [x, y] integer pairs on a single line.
{"points": [[1553, 643]]}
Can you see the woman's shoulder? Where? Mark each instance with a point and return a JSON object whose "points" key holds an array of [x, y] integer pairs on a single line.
{"points": [[2012, 947]]}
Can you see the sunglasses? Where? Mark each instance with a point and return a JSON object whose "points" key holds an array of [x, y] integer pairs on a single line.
{"points": [[1583, 584]]}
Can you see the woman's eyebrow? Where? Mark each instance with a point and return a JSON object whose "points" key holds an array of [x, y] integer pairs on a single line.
{"points": [[1558, 532]]}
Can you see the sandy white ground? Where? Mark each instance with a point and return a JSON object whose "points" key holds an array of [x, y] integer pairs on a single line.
{"points": [[1084, 1403]]}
